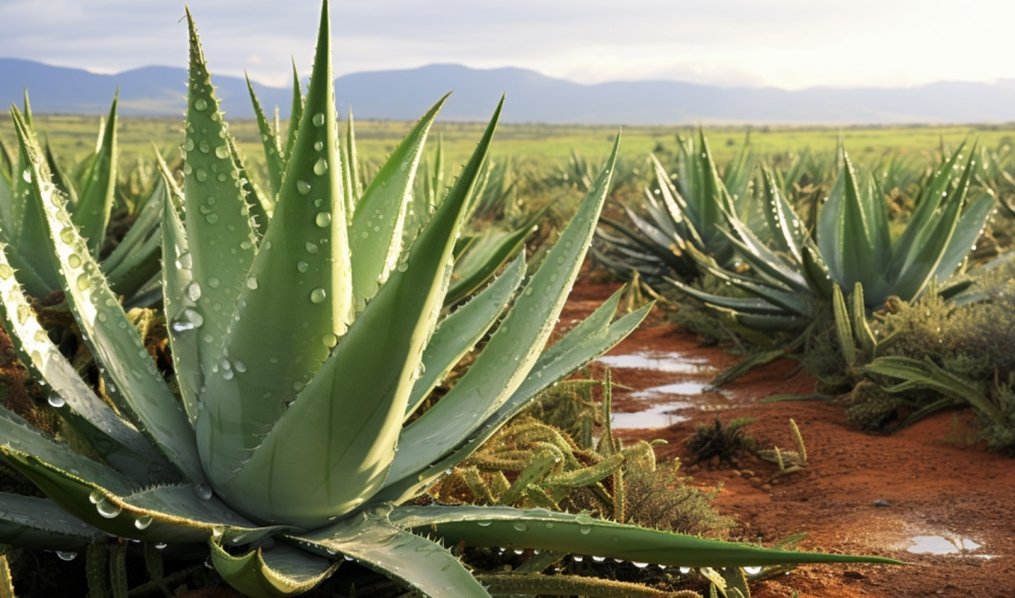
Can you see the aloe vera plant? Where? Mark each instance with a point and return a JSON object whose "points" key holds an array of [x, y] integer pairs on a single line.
{"points": [[792, 275], [680, 214], [302, 356]]}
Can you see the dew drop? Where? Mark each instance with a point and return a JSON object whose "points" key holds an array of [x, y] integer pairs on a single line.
{"points": [[239, 366], [212, 218], [319, 145], [66, 556], [519, 526], [251, 283], [318, 295], [143, 522], [185, 261], [83, 282], [684, 570], [193, 291], [189, 319], [318, 119], [160, 545], [330, 340], [74, 260], [56, 401], [484, 523], [6, 272], [585, 529], [107, 509], [95, 496], [214, 282], [222, 152], [752, 570], [203, 491], [302, 266], [201, 175], [311, 247], [303, 187], [200, 104], [320, 167]]}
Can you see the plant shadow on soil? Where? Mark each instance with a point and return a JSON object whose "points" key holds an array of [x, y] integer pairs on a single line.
{"points": [[928, 495]]}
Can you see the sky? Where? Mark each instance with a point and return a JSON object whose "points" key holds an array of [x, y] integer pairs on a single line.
{"points": [[783, 43]]}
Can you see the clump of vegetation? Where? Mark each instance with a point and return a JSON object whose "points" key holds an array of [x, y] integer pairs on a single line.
{"points": [[723, 443]]}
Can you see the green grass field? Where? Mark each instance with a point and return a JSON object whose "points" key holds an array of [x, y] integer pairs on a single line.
{"points": [[72, 138]]}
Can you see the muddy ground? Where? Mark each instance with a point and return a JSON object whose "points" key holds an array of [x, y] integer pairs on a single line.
{"points": [[928, 495]]}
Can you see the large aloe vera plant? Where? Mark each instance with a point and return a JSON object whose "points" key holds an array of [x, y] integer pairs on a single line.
{"points": [[792, 274], [291, 434], [89, 188]]}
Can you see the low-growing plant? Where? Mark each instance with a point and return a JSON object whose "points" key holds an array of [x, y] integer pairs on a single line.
{"points": [[721, 442]]}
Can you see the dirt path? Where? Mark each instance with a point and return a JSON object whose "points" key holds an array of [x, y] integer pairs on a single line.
{"points": [[923, 488]]}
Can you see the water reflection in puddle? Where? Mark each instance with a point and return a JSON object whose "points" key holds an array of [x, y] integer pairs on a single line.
{"points": [[687, 388], [660, 415], [658, 361], [943, 545]]}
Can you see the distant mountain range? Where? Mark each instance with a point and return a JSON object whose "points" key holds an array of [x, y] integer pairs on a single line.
{"points": [[532, 97]]}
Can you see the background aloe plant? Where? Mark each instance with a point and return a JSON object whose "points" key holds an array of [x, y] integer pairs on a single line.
{"points": [[90, 188], [791, 276], [681, 213]]}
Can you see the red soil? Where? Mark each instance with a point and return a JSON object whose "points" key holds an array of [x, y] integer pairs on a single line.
{"points": [[859, 493]]}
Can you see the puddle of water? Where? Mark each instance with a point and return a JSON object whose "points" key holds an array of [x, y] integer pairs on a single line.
{"points": [[660, 415], [658, 361], [687, 388], [943, 545]]}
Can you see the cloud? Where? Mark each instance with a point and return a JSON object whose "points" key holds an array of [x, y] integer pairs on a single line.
{"points": [[789, 43]]}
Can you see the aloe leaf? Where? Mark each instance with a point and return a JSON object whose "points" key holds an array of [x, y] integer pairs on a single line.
{"points": [[482, 259], [136, 384], [134, 261], [39, 523], [91, 214], [27, 232], [269, 140], [460, 331], [44, 358], [765, 261], [6, 164], [782, 221], [295, 115], [930, 199], [180, 302], [350, 165], [924, 226], [854, 242], [260, 206], [375, 233], [591, 338], [281, 570], [843, 329], [358, 397], [827, 225], [514, 348], [967, 231], [61, 180], [219, 231], [29, 450], [305, 256], [580, 534], [420, 564], [109, 501], [738, 304]]}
